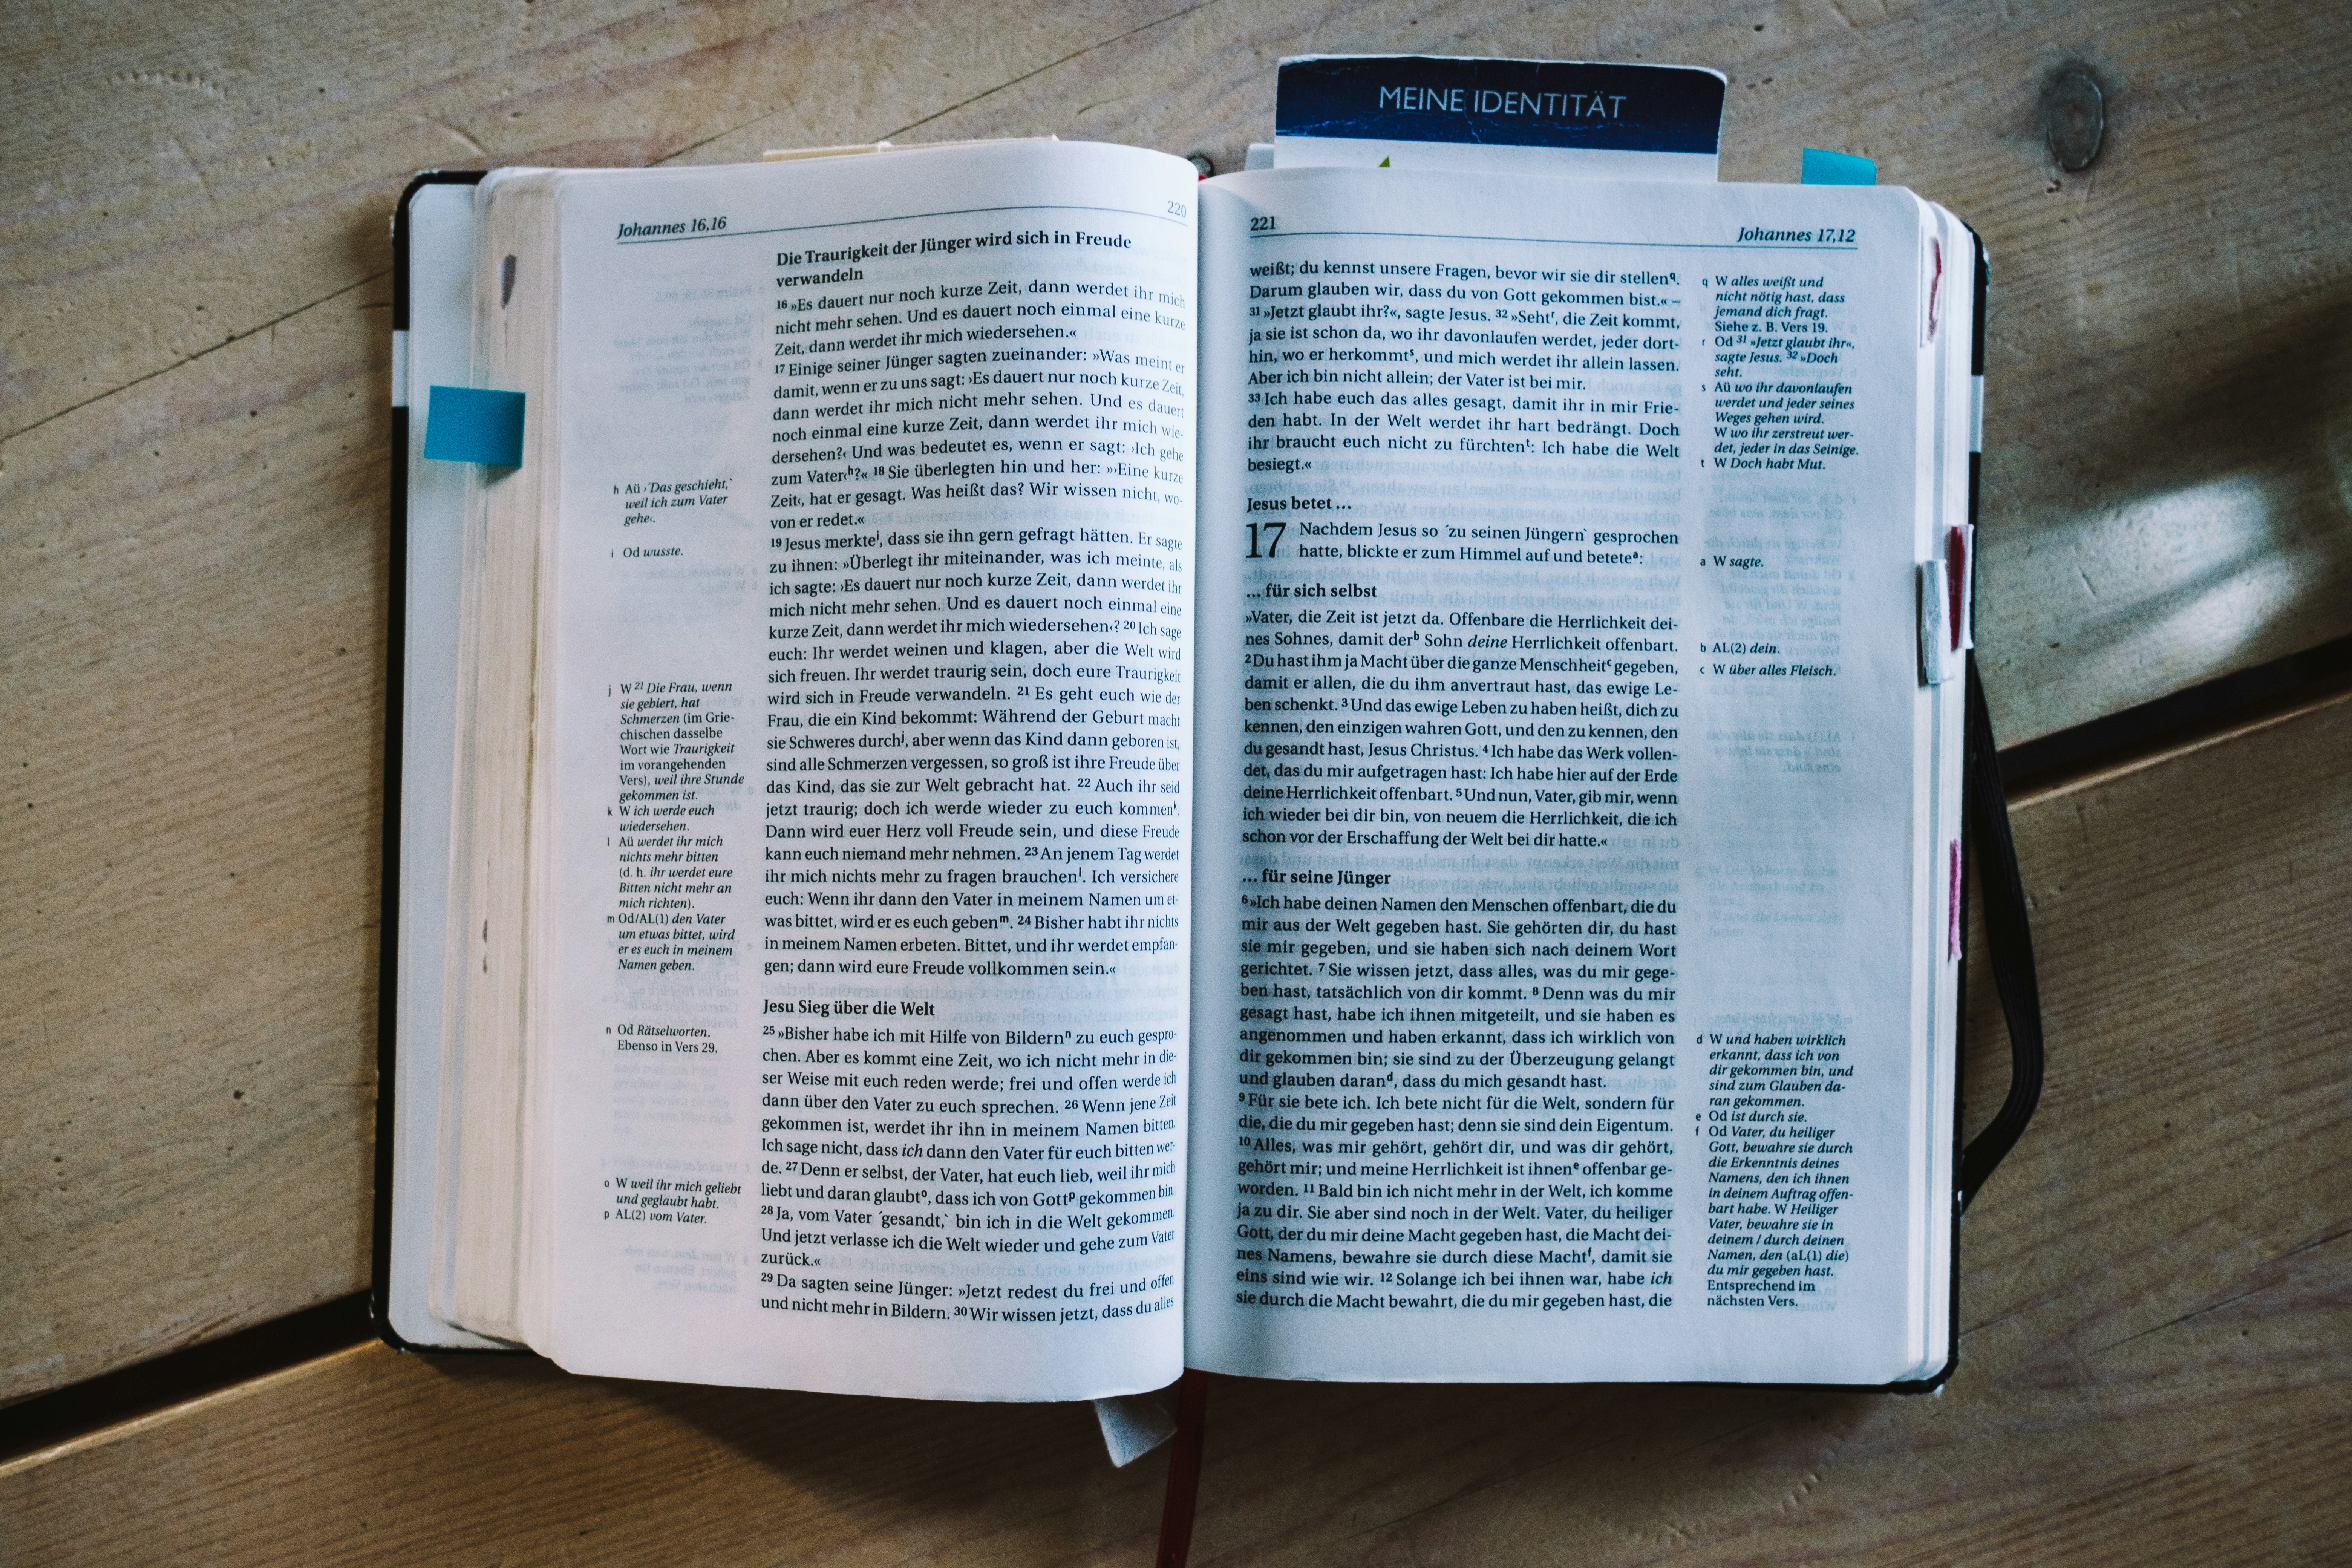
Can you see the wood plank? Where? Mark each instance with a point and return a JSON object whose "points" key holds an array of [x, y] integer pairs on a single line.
{"points": [[2163, 495], [2157, 1302], [191, 690]]}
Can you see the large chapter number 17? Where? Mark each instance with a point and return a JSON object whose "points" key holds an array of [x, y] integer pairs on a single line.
{"points": [[1273, 538]]}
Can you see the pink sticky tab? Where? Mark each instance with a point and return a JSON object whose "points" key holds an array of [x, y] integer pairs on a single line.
{"points": [[1952, 918]]}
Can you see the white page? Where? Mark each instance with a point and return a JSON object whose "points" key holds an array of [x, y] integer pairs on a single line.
{"points": [[1951, 337], [490, 1098], [1529, 632], [952, 878], [440, 304]]}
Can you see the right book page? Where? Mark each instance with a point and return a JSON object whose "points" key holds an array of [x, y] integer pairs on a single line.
{"points": [[1569, 889]]}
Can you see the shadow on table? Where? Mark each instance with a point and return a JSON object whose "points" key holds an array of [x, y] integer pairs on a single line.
{"points": [[2186, 500]]}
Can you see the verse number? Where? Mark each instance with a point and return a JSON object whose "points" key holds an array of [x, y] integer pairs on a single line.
{"points": [[1272, 537], [1262, 226]]}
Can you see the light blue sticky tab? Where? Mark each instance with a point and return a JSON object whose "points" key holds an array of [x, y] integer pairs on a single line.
{"points": [[467, 425], [1836, 169]]}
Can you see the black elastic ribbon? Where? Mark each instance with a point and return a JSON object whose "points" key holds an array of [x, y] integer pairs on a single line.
{"points": [[2010, 938]]}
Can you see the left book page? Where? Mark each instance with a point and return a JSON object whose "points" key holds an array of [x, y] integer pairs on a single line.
{"points": [[852, 967]]}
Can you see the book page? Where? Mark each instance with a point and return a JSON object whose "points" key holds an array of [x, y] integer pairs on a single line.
{"points": [[439, 226], [1563, 792], [869, 852], [486, 1241], [1952, 337]]}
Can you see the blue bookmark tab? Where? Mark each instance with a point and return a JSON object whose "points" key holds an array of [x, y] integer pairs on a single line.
{"points": [[467, 425], [1836, 169]]}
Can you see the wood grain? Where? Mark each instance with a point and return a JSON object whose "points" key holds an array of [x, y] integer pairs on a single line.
{"points": [[192, 462], [2157, 1307], [190, 688]]}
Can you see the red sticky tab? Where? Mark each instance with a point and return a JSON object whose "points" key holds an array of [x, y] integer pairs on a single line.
{"points": [[1956, 582], [1952, 918]]}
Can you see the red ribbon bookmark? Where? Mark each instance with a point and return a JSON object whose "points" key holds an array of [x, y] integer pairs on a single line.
{"points": [[1183, 1471]]}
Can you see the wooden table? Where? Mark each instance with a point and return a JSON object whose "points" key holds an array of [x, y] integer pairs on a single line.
{"points": [[2156, 1296]]}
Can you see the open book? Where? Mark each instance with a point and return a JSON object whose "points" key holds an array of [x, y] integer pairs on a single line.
{"points": [[1046, 772]]}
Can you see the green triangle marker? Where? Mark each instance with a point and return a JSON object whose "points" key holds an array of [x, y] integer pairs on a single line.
{"points": [[1384, 162]]}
